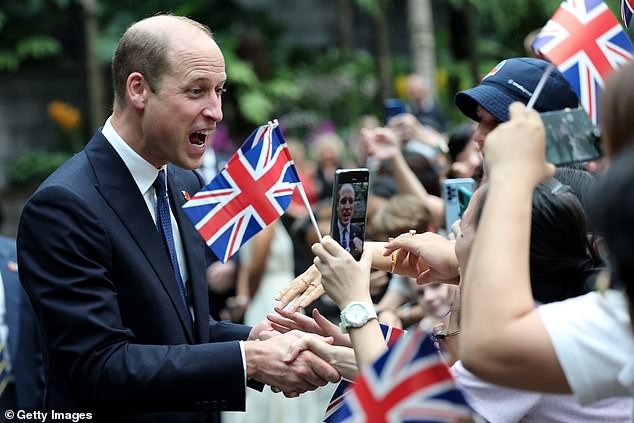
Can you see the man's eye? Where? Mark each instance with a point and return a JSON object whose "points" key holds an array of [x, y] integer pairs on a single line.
{"points": [[196, 91], [221, 91]]}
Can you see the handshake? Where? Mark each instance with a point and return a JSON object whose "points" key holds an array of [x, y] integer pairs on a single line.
{"points": [[277, 354]]}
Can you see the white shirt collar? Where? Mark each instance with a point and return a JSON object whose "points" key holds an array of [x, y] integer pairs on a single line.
{"points": [[143, 172]]}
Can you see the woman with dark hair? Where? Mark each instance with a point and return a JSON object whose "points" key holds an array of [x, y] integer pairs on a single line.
{"points": [[563, 263]]}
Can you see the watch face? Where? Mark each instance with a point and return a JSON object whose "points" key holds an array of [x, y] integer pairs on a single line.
{"points": [[356, 314]]}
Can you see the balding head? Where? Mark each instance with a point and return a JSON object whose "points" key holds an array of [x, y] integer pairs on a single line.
{"points": [[145, 48]]}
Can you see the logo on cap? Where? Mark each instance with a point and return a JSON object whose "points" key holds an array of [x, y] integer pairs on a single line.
{"points": [[495, 69]]}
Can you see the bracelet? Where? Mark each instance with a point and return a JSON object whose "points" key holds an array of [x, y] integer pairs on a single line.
{"points": [[393, 261]]}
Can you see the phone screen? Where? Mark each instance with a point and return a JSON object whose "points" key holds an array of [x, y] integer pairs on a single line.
{"points": [[457, 193], [464, 196], [570, 137], [393, 107], [349, 209]]}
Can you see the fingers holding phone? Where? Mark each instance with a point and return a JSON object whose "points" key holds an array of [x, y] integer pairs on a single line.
{"points": [[343, 278]]}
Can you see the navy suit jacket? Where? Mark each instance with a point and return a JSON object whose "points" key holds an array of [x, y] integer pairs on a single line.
{"points": [[355, 232], [27, 366], [117, 333]]}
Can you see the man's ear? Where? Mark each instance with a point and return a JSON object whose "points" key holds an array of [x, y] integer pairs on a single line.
{"points": [[137, 90]]}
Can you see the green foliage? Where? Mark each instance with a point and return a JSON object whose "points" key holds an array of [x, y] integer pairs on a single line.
{"points": [[20, 40], [33, 167], [338, 86]]}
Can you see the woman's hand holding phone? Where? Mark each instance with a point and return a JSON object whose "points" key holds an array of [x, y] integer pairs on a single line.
{"points": [[343, 278]]}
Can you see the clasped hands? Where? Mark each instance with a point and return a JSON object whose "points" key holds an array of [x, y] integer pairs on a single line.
{"points": [[267, 360]]}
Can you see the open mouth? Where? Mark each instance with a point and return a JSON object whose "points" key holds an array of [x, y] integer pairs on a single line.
{"points": [[199, 138]]}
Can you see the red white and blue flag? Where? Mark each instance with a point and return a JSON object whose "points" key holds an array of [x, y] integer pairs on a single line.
{"points": [[586, 43], [627, 10], [251, 192], [391, 335], [409, 383]]}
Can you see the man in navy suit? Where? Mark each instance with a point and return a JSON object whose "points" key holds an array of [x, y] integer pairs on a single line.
{"points": [[21, 334], [117, 276], [349, 235]]}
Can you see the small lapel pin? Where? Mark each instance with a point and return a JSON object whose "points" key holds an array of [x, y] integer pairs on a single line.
{"points": [[186, 195], [12, 266]]}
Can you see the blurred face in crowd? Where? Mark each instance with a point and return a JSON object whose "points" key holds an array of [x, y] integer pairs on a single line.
{"points": [[471, 157], [345, 204], [486, 123], [180, 114], [434, 298]]}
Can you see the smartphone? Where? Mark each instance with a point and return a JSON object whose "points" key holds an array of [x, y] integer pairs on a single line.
{"points": [[570, 137], [393, 107], [457, 193], [349, 209]]}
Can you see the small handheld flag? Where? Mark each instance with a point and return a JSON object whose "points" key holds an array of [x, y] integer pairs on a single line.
{"points": [[409, 383], [586, 43], [252, 191]]}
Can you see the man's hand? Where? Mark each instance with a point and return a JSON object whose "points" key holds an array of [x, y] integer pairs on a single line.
{"points": [[342, 358], [265, 363]]}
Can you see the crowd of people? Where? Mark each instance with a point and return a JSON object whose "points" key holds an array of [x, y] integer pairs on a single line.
{"points": [[528, 295]]}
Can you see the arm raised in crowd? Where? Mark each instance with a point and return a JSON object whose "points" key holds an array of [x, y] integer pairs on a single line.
{"points": [[383, 143], [503, 339]]}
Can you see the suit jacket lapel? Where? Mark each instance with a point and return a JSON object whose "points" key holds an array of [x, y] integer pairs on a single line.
{"points": [[118, 188], [194, 247]]}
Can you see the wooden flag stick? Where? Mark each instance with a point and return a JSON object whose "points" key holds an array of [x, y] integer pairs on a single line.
{"points": [[540, 86], [309, 209]]}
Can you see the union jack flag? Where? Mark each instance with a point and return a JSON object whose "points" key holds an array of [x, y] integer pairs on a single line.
{"points": [[252, 191], [409, 383], [627, 9], [390, 334], [585, 41]]}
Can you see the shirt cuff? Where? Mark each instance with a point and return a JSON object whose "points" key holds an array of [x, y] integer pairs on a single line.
{"points": [[244, 361]]}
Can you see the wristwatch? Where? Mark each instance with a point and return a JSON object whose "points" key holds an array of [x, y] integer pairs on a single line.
{"points": [[355, 315]]}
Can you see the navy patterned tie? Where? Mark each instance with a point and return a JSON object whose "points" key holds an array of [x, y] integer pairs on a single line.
{"points": [[344, 240], [164, 226]]}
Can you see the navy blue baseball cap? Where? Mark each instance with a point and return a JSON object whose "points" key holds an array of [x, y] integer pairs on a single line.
{"points": [[515, 80]]}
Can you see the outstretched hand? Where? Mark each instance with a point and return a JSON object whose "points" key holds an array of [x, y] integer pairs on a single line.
{"points": [[285, 321], [302, 291], [432, 255]]}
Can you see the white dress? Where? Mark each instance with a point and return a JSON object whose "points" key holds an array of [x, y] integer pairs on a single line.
{"points": [[267, 406]]}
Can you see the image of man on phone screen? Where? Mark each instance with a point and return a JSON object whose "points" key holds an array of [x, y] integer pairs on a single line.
{"points": [[349, 235]]}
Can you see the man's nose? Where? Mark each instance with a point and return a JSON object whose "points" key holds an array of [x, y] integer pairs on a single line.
{"points": [[213, 108]]}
